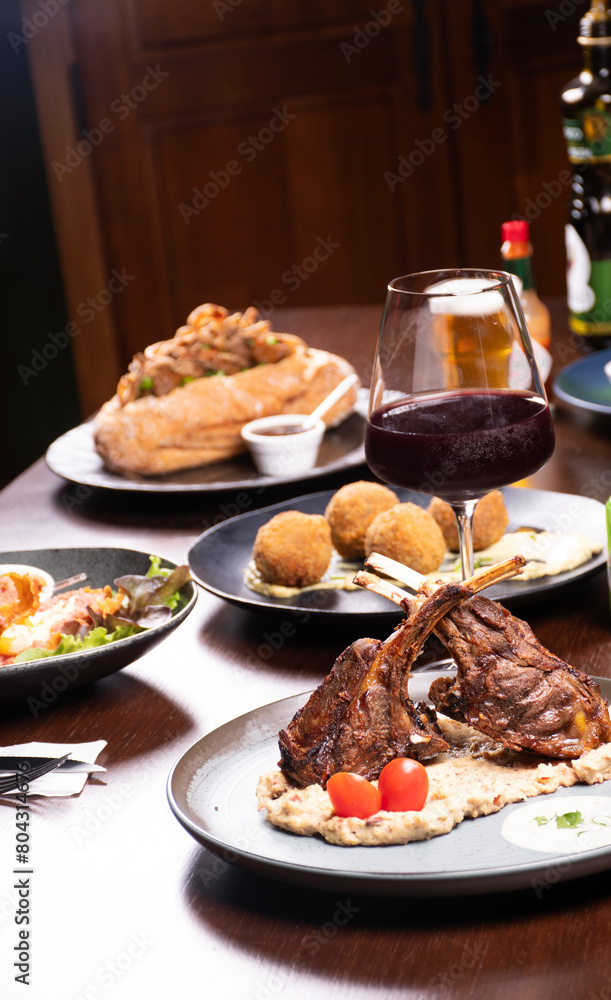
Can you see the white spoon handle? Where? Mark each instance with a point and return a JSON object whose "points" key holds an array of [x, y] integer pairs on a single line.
{"points": [[330, 400]]}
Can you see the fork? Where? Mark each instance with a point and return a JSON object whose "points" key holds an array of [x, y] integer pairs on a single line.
{"points": [[11, 782]]}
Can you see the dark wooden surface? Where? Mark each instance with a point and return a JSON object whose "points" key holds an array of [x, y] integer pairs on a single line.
{"points": [[125, 904]]}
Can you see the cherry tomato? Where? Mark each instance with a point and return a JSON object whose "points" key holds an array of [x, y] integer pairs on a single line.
{"points": [[353, 795], [403, 784]]}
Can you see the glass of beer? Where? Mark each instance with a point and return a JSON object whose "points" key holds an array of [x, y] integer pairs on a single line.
{"points": [[476, 345], [457, 405]]}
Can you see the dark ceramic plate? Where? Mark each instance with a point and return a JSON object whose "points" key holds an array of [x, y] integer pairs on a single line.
{"points": [[218, 557], [211, 791], [584, 384], [44, 679], [74, 457]]}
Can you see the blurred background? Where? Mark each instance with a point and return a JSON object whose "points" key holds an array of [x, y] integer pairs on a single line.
{"points": [[155, 155]]}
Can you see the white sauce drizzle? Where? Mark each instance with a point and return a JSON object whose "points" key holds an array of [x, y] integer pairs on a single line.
{"points": [[563, 825], [548, 553]]}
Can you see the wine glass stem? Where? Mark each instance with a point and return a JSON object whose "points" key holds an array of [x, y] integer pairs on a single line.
{"points": [[464, 520]]}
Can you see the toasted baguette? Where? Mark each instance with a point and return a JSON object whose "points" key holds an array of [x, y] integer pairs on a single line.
{"points": [[200, 423]]}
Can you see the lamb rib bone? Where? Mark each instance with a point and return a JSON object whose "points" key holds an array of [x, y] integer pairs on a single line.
{"points": [[507, 684], [360, 717], [415, 581]]}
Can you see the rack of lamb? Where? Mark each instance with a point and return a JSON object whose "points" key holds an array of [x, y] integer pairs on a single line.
{"points": [[507, 685]]}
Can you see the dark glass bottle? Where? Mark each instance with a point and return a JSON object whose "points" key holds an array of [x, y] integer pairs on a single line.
{"points": [[586, 107]]}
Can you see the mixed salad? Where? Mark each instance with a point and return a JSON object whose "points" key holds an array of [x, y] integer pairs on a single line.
{"points": [[36, 620]]}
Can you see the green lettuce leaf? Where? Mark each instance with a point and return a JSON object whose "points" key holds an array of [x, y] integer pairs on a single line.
{"points": [[150, 601], [74, 644], [152, 590]]}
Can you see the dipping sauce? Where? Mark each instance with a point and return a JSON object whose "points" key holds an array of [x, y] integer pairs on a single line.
{"points": [[281, 429]]}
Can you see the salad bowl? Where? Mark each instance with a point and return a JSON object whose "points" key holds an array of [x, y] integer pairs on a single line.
{"points": [[41, 681]]}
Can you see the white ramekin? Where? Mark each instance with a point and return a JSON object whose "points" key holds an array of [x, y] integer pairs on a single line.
{"points": [[281, 455]]}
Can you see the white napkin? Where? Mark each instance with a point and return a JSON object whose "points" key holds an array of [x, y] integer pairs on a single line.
{"points": [[60, 782]]}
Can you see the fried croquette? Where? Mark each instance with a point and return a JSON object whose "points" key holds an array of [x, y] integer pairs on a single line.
{"points": [[489, 521], [293, 549], [351, 510], [410, 535]]}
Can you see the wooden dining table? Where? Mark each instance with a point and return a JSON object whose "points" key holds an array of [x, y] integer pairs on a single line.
{"points": [[126, 904]]}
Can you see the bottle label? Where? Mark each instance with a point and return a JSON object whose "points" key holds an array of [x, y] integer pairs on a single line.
{"points": [[588, 137], [588, 286], [521, 267]]}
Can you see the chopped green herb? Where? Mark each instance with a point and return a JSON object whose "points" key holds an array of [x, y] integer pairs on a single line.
{"points": [[569, 820], [186, 380], [146, 384], [270, 339], [566, 821]]}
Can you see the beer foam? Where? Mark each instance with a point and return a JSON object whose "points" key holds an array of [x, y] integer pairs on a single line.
{"points": [[466, 297]]}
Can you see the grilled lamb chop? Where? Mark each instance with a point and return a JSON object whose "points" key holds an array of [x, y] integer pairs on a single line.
{"points": [[509, 686], [361, 716]]}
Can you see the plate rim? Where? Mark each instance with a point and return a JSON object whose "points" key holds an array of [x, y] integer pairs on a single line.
{"points": [[18, 670], [120, 484], [383, 883], [269, 605], [579, 401]]}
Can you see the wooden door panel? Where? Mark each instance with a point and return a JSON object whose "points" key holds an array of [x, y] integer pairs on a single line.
{"points": [[344, 146], [241, 249], [305, 212], [370, 105], [208, 214], [161, 24]]}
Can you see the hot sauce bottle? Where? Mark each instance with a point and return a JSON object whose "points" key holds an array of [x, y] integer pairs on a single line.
{"points": [[517, 252]]}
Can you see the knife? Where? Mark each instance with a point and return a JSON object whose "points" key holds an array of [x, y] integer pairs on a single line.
{"points": [[12, 765]]}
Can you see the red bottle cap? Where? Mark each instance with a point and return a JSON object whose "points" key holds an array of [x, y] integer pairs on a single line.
{"points": [[517, 230]]}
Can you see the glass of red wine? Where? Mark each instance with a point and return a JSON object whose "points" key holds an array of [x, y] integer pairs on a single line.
{"points": [[457, 405]]}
